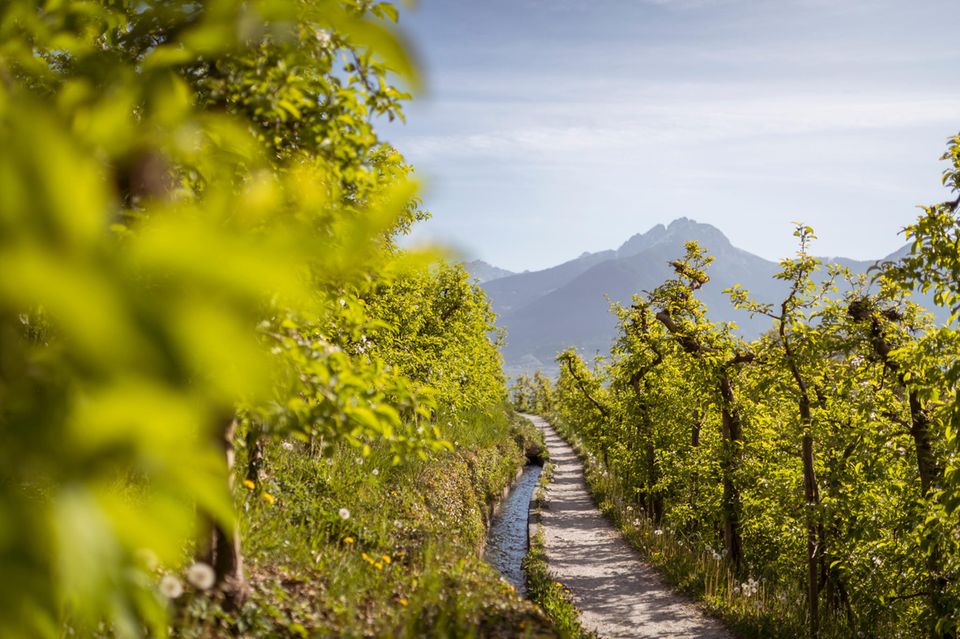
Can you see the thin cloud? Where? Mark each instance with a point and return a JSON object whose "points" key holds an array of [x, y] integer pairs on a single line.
{"points": [[691, 120]]}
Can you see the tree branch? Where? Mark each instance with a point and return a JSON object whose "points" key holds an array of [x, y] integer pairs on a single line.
{"points": [[568, 360]]}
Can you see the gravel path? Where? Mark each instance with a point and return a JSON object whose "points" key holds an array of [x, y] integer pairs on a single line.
{"points": [[618, 594]]}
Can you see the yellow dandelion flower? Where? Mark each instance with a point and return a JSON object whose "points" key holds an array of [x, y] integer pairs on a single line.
{"points": [[348, 540], [378, 566], [267, 497], [386, 559], [249, 484], [365, 556], [403, 602]]}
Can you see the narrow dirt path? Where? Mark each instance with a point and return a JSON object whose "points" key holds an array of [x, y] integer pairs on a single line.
{"points": [[619, 594]]}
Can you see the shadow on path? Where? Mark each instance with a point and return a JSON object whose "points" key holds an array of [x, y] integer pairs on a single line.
{"points": [[618, 593]]}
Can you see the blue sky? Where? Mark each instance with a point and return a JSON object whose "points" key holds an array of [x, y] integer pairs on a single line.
{"points": [[552, 127]]}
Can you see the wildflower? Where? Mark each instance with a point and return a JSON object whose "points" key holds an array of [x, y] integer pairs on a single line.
{"points": [[270, 499], [386, 559], [657, 532], [378, 565], [376, 471], [359, 461], [249, 484], [348, 540], [403, 602], [365, 556], [201, 576], [170, 587], [344, 514], [287, 445]]}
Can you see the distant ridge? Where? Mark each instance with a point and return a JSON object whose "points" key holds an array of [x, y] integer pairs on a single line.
{"points": [[546, 311], [484, 272]]}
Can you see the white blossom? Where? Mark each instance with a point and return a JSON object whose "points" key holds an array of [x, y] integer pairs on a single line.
{"points": [[323, 37]]}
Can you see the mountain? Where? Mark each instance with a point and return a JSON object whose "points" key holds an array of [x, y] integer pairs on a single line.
{"points": [[546, 311], [483, 272]]}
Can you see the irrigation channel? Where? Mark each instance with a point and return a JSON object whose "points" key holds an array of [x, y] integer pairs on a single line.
{"points": [[507, 540]]}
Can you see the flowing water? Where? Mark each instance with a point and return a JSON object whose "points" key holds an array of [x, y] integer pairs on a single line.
{"points": [[507, 540]]}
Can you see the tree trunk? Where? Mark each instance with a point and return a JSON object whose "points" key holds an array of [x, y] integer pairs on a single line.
{"points": [[927, 467], [732, 434], [813, 499], [254, 454], [931, 472], [222, 548]]}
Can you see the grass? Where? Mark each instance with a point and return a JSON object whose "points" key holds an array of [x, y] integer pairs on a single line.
{"points": [[542, 588], [404, 563]]}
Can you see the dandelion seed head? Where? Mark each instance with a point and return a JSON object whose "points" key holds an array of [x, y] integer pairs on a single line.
{"points": [[170, 587], [201, 576]]}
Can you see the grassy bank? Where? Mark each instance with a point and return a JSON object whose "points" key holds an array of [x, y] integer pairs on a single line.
{"points": [[347, 546]]}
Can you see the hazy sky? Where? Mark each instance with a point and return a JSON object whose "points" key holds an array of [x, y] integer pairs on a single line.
{"points": [[552, 127]]}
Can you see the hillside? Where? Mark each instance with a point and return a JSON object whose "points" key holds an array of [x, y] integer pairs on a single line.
{"points": [[545, 311], [484, 272]]}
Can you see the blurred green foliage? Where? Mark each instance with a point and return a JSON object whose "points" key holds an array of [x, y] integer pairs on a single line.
{"points": [[196, 215]]}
